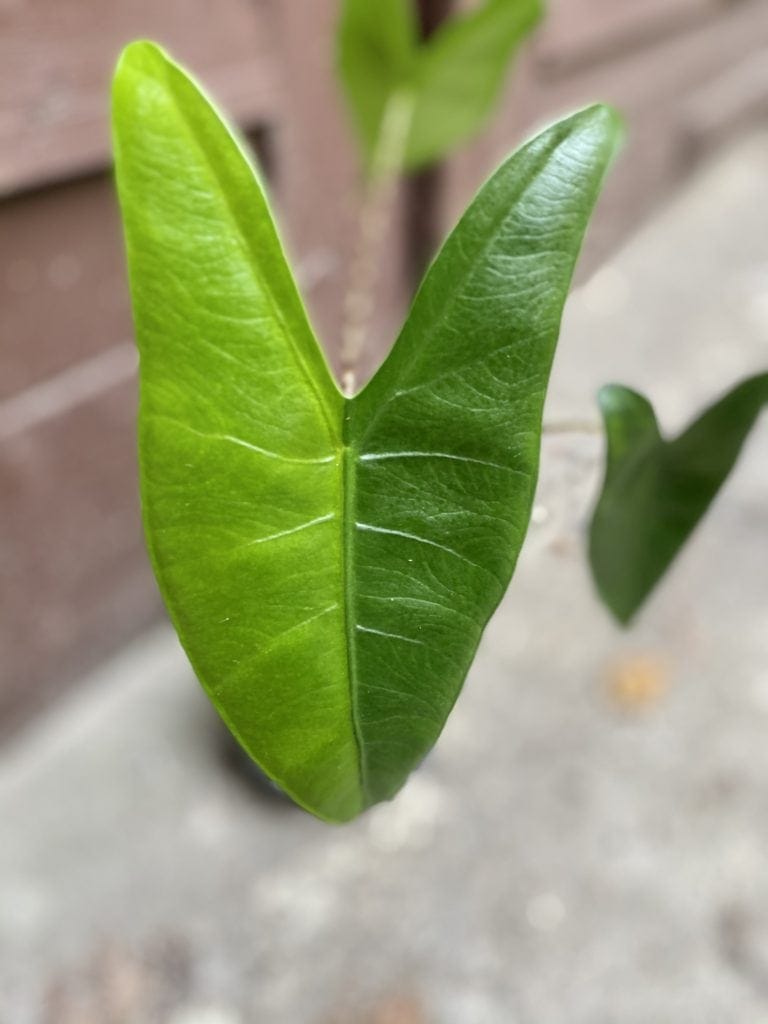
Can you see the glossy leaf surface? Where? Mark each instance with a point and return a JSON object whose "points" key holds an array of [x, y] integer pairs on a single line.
{"points": [[656, 491], [452, 80], [330, 564]]}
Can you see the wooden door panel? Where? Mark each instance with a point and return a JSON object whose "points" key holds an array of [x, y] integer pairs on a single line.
{"points": [[76, 582], [579, 32], [56, 60]]}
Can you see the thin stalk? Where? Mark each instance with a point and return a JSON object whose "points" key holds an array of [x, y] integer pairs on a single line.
{"points": [[572, 427], [374, 220]]}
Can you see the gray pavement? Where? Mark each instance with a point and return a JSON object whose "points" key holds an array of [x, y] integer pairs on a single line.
{"points": [[588, 844]]}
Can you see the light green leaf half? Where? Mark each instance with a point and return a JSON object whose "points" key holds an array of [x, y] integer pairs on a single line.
{"points": [[452, 80], [330, 564], [656, 491]]}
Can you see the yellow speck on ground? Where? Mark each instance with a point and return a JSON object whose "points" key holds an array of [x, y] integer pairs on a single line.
{"points": [[638, 682], [389, 1009], [399, 1010]]}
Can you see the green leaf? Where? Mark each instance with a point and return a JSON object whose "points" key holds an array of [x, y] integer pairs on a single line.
{"points": [[330, 564], [656, 491], [453, 79], [460, 74]]}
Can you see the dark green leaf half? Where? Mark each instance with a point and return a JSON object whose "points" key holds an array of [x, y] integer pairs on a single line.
{"points": [[330, 564], [452, 80], [656, 491]]}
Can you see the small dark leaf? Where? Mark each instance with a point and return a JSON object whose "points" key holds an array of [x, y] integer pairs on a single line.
{"points": [[656, 491]]}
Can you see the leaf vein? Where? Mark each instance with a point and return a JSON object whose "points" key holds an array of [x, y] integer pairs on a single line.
{"points": [[382, 456], [391, 636], [368, 528], [294, 529]]}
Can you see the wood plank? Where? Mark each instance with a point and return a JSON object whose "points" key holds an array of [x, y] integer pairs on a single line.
{"points": [[63, 287], [76, 580], [320, 186], [654, 89], [581, 32], [56, 61]]}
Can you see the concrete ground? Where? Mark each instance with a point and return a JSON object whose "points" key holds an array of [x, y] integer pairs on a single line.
{"points": [[588, 844]]}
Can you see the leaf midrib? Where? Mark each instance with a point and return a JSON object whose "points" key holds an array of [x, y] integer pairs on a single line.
{"points": [[349, 459]]}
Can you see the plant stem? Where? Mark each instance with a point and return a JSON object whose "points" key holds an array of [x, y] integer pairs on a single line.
{"points": [[572, 427], [374, 219]]}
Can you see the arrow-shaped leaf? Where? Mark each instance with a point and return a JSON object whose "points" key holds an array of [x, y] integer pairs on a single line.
{"points": [[656, 491], [330, 564], [451, 82]]}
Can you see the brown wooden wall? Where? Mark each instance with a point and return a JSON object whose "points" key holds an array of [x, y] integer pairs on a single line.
{"points": [[74, 581]]}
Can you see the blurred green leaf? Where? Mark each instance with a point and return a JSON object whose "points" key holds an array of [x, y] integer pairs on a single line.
{"points": [[656, 491], [453, 79], [377, 49], [330, 564], [460, 73]]}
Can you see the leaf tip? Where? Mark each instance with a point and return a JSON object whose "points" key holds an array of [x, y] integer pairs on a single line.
{"points": [[139, 59], [538, 11], [606, 119], [140, 55], [623, 614], [610, 398], [617, 400]]}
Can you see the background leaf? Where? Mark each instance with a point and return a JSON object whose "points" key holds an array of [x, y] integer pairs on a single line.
{"points": [[453, 79], [330, 564], [377, 47], [656, 491], [460, 74]]}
